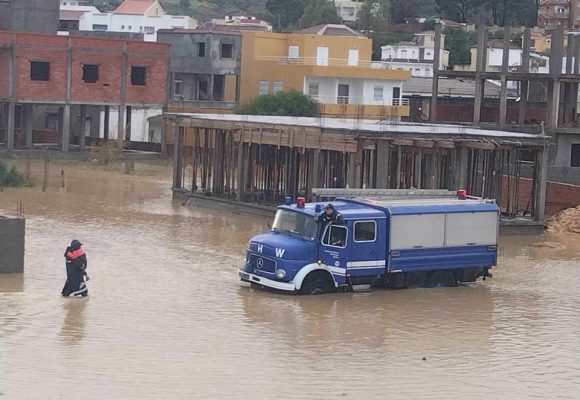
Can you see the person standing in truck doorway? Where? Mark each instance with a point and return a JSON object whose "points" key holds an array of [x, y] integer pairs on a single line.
{"points": [[329, 215], [76, 266]]}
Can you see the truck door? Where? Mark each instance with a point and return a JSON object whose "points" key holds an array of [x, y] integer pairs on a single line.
{"points": [[334, 250], [365, 259]]}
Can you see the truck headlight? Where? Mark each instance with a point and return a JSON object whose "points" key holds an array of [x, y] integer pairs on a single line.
{"points": [[280, 274]]}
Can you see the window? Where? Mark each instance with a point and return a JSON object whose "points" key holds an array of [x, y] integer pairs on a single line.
{"points": [[322, 56], [365, 231], [39, 71], [263, 87], [314, 90], [378, 93], [149, 30], [396, 96], [99, 27], [293, 52], [202, 88], [178, 88], [201, 49], [129, 27], [227, 50], [335, 236], [138, 76], [90, 73], [575, 155], [353, 57], [122, 26], [277, 86]]}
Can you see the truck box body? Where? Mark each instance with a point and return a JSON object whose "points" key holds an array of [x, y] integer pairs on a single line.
{"points": [[374, 241]]}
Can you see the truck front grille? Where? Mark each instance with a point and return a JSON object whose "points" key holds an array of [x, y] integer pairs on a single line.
{"points": [[262, 263]]}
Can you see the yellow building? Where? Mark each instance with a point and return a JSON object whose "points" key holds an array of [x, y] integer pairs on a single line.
{"points": [[330, 63]]}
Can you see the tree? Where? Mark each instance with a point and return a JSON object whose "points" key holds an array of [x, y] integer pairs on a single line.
{"points": [[458, 43], [291, 103], [458, 10], [318, 12], [285, 12], [406, 11], [184, 6], [373, 15], [513, 12]]}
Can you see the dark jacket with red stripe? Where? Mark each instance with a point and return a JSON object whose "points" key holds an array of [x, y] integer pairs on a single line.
{"points": [[76, 257]]}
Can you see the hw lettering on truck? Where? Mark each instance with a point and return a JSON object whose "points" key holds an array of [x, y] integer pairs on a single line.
{"points": [[395, 239]]}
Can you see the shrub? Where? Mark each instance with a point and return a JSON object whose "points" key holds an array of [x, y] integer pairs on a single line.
{"points": [[291, 103]]}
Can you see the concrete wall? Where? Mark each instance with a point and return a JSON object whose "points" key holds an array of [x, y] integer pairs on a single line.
{"points": [[11, 245], [140, 130], [29, 15]]}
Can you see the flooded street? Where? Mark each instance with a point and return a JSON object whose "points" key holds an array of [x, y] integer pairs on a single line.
{"points": [[167, 317]]}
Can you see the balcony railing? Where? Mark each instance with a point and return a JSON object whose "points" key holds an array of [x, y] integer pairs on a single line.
{"points": [[323, 62], [366, 101]]}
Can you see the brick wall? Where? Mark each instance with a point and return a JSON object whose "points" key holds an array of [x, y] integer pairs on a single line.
{"points": [[559, 196], [107, 53]]}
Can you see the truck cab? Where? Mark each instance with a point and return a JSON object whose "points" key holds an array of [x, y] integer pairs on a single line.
{"points": [[376, 244]]}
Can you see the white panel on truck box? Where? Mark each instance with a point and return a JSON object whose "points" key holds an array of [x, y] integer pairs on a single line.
{"points": [[471, 229], [417, 231]]}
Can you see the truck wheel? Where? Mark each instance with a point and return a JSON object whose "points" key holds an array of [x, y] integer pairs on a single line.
{"points": [[317, 284]]}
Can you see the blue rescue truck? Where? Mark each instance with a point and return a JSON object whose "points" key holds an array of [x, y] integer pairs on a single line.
{"points": [[392, 243]]}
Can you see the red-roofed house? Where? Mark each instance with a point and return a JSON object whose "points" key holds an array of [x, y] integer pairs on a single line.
{"points": [[140, 7]]}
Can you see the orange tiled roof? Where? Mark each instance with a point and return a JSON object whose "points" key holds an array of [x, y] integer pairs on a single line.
{"points": [[137, 7]]}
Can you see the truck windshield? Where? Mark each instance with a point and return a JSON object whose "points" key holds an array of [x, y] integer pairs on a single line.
{"points": [[296, 224]]}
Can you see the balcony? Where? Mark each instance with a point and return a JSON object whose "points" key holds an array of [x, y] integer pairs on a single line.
{"points": [[358, 107], [322, 66]]}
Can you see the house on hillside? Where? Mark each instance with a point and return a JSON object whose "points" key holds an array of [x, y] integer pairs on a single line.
{"points": [[416, 56], [136, 16]]}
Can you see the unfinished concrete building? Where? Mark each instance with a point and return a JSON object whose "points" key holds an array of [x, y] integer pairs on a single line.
{"points": [[29, 15], [204, 69], [262, 159], [558, 118], [76, 77]]}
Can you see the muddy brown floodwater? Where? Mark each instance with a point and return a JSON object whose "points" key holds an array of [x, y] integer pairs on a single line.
{"points": [[167, 318]]}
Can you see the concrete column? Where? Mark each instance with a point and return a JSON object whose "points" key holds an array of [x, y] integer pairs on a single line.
{"points": [[121, 125], [399, 165], [555, 72], [122, 97], [65, 131], [12, 101], [418, 169], [479, 70], [541, 184], [383, 162], [106, 124], [211, 87], [164, 137], [452, 170], [354, 170], [313, 168], [461, 168], [570, 97], [435, 84], [504, 71], [177, 161], [82, 127], [524, 85], [27, 115], [10, 127], [240, 172]]}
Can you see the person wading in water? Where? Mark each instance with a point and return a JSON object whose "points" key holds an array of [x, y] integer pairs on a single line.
{"points": [[76, 265]]}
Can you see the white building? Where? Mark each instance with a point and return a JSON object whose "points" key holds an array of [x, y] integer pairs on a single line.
{"points": [[348, 10], [136, 16], [416, 56]]}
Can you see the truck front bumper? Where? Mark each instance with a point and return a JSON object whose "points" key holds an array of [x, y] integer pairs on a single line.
{"points": [[260, 280]]}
